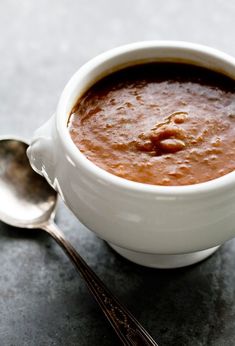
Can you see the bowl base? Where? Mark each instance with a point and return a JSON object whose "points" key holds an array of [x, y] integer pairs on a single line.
{"points": [[164, 261]]}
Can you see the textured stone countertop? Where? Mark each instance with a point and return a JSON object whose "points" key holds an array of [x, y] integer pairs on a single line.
{"points": [[42, 299]]}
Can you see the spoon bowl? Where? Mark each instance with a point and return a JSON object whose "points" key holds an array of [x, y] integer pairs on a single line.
{"points": [[26, 200]]}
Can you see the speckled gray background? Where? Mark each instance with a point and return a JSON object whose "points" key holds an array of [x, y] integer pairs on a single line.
{"points": [[42, 299]]}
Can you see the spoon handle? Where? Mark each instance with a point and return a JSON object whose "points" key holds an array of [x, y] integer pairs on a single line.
{"points": [[125, 325]]}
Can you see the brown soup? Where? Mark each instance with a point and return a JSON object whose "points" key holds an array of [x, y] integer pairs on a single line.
{"points": [[159, 123]]}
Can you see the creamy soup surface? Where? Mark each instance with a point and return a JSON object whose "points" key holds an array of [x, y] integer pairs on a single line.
{"points": [[158, 123]]}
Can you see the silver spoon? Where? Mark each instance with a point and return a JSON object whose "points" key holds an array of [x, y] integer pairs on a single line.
{"points": [[27, 201]]}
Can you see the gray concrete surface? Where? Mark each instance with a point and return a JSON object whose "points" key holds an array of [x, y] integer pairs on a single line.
{"points": [[42, 299]]}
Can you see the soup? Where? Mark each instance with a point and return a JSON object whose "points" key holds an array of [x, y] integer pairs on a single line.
{"points": [[158, 123]]}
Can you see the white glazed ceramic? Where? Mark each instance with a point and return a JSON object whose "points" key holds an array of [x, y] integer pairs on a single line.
{"points": [[157, 226]]}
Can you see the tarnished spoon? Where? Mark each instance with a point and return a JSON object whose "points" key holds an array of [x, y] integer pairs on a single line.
{"points": [[27, 201]]}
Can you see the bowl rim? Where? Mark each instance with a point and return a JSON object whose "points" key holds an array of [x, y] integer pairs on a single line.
{"points": [[62, 114]]}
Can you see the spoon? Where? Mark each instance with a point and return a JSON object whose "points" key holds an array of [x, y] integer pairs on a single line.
{"points": [[27, 201]]}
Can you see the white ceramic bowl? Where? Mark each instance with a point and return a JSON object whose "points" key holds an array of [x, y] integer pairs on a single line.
{"points": [[157, 226]]}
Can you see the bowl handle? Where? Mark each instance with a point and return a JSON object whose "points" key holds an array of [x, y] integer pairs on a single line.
{"points": [[41, 151]]}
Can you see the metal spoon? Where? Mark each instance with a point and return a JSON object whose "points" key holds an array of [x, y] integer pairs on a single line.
{"points": [[27, 201]]}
